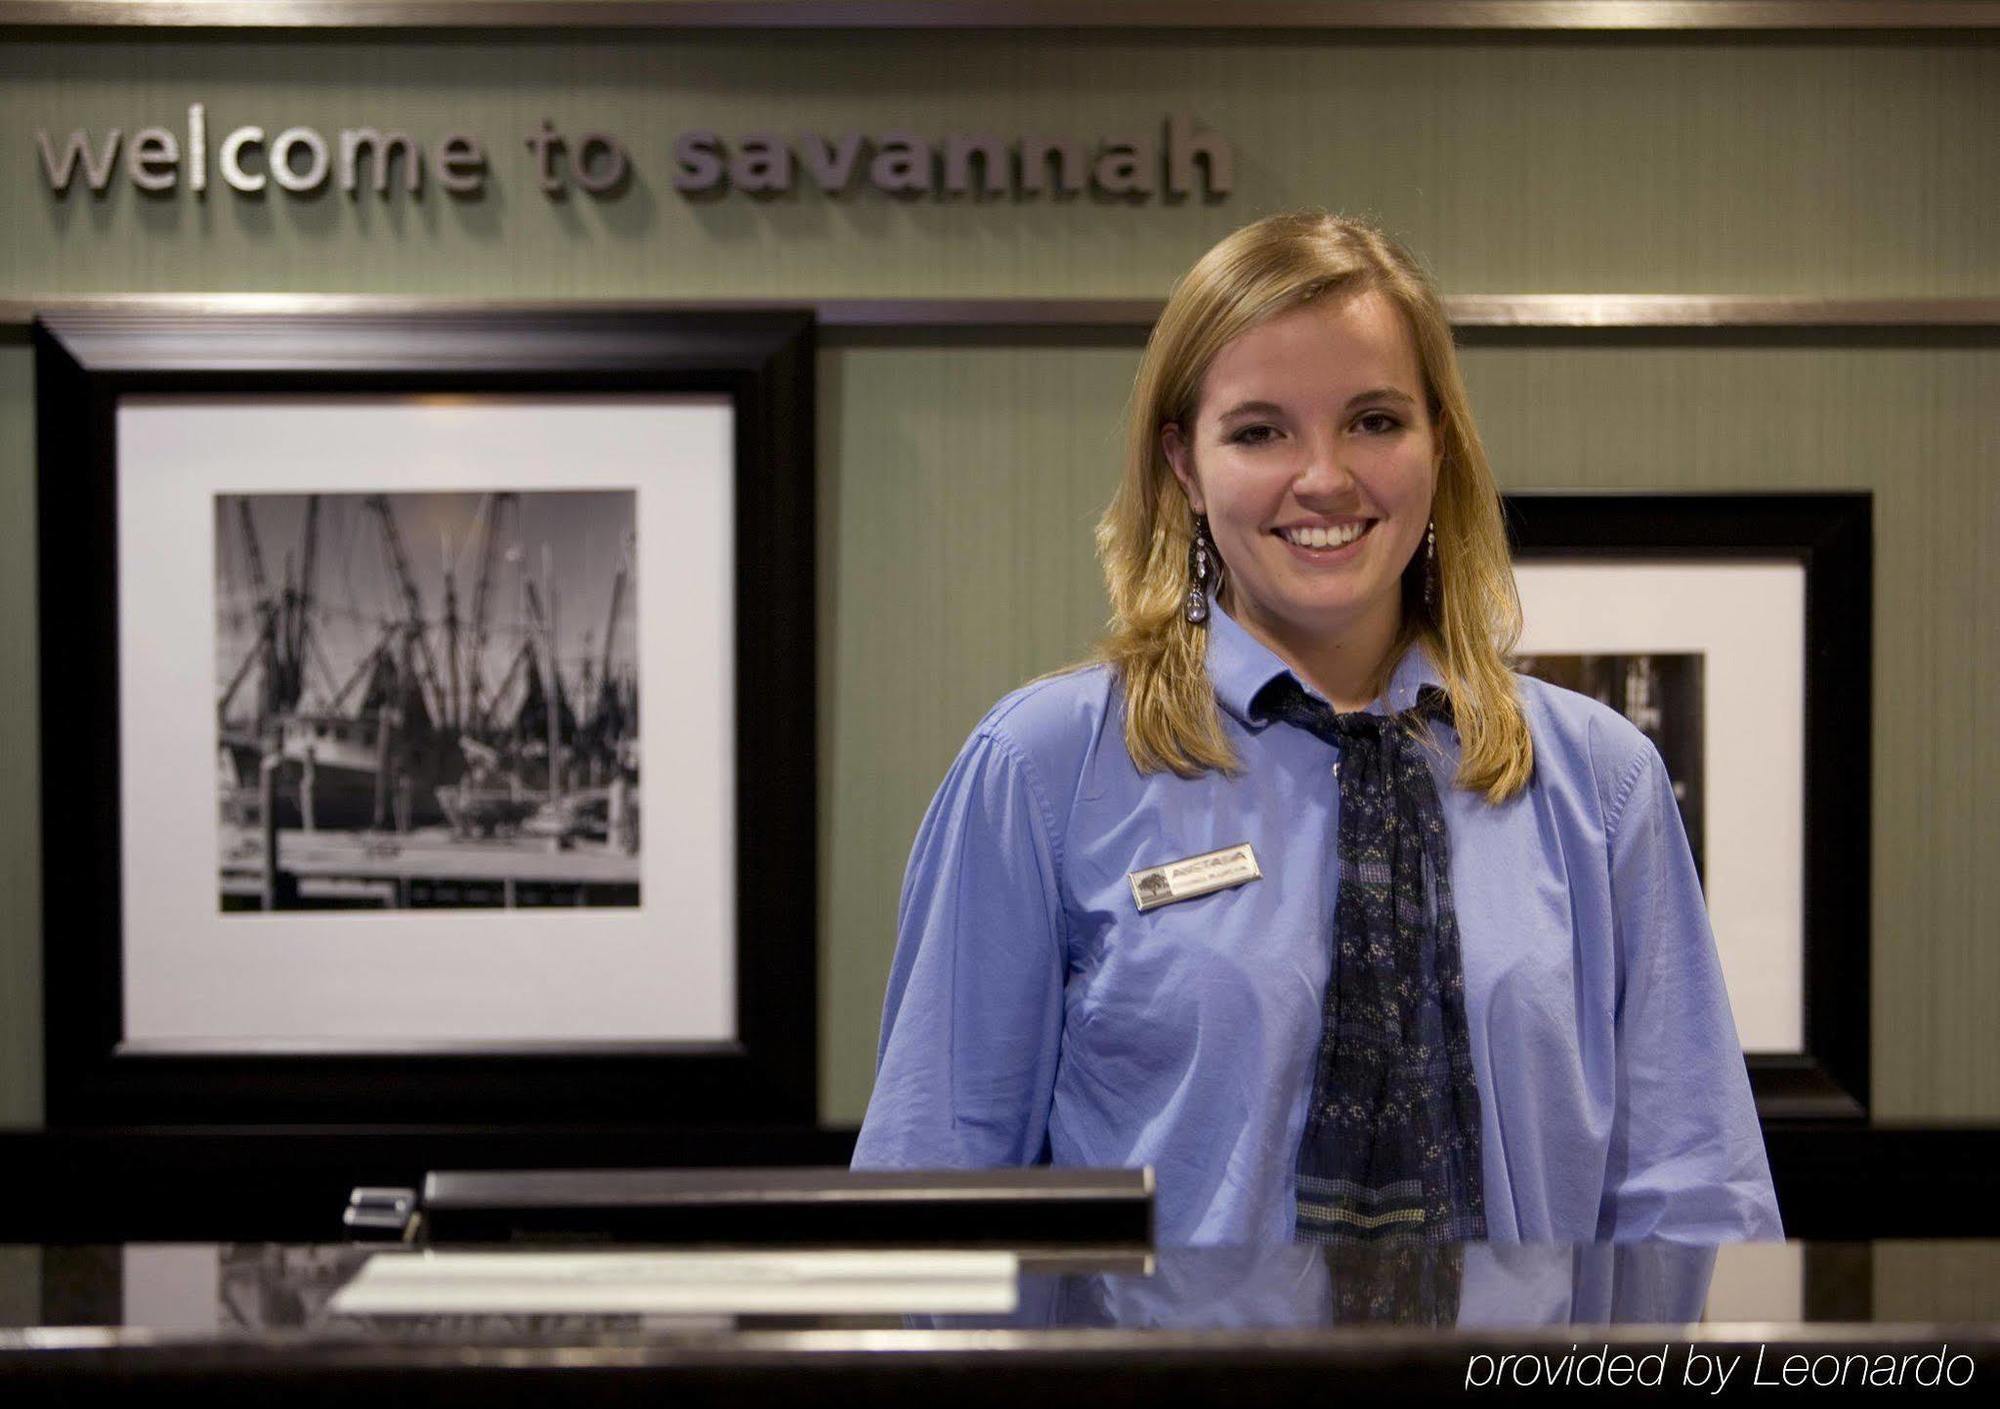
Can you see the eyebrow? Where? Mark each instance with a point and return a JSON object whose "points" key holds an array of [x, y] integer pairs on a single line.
{"points": [[1267, 408]]}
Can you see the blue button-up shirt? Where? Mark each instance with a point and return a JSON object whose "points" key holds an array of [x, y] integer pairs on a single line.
{"points": [[1034, 1013]]}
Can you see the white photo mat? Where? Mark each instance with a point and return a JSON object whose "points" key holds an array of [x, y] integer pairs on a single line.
{"points": [[198, 979], [1747, 619]]}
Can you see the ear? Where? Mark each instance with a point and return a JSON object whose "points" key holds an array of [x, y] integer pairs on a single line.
{"points": [[1180, 459]]}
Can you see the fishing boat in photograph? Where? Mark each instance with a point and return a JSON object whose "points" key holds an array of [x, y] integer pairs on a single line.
{"points": [[374, 719]]}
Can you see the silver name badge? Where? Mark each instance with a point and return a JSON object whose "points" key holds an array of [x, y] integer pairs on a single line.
{"points": [[1197, 875]]}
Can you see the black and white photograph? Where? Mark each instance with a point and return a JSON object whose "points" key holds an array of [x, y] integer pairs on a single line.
{"points": [[427, 700], [378, 611], [1661, 693], [427, 635]]}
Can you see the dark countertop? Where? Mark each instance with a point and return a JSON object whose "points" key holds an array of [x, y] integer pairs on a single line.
{"points": [[1122, 1326]]}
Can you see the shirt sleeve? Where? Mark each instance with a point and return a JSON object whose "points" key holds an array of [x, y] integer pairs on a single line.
{"points": [[1687, 1155], [972, 1023]]}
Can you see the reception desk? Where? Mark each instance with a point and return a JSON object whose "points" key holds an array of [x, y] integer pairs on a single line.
{"points": [[277, 1323]]}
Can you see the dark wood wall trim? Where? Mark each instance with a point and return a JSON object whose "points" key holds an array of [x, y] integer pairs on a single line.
{"points": [[1889, 1181], [289, 1185], [1649, 16]]}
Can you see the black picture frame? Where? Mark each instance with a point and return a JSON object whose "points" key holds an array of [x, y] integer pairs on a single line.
{"points": [[1830, 535], [762, 360]]}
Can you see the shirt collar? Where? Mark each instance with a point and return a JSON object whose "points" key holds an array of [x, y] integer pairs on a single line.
{"points": [[1240, 666]]}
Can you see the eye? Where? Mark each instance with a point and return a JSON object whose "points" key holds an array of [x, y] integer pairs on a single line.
{"points": [[1377, 422], [1256, 433]]}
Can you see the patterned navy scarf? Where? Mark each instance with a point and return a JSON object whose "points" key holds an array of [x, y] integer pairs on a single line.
{"points": [[1391, 1142]]}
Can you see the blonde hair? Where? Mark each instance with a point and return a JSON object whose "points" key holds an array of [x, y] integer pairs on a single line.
{"points": [[1276, 264]]}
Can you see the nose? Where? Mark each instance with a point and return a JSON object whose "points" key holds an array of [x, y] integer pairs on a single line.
{"points": [[1323, 475]]}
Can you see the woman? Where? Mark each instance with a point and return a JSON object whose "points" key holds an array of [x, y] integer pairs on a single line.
{"points": [[1296, 893]]}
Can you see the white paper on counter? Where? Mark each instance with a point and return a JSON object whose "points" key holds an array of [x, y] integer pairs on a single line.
{"points": [[767, 1283]]}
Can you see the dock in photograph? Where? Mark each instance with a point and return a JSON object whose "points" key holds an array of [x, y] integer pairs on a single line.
{"points": [[417, 870]]}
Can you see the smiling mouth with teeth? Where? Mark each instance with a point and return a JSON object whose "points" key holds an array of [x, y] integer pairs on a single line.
{"points": [[1338, 537]]}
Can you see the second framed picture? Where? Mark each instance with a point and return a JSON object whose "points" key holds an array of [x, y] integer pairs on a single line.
{"points": [[1734, 631], [428, 718]]}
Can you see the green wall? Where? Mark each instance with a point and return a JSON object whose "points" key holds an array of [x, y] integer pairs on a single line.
{"points": [[960, 475]]}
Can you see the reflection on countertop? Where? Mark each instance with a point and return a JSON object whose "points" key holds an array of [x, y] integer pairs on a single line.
{"points": [[235, 1288]]}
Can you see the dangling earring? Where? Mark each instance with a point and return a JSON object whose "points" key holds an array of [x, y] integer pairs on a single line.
{"points": [[1201, 571], [1433, 579]]}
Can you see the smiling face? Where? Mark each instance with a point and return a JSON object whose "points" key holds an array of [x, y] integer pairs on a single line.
{"points": [[1312, 452]]}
